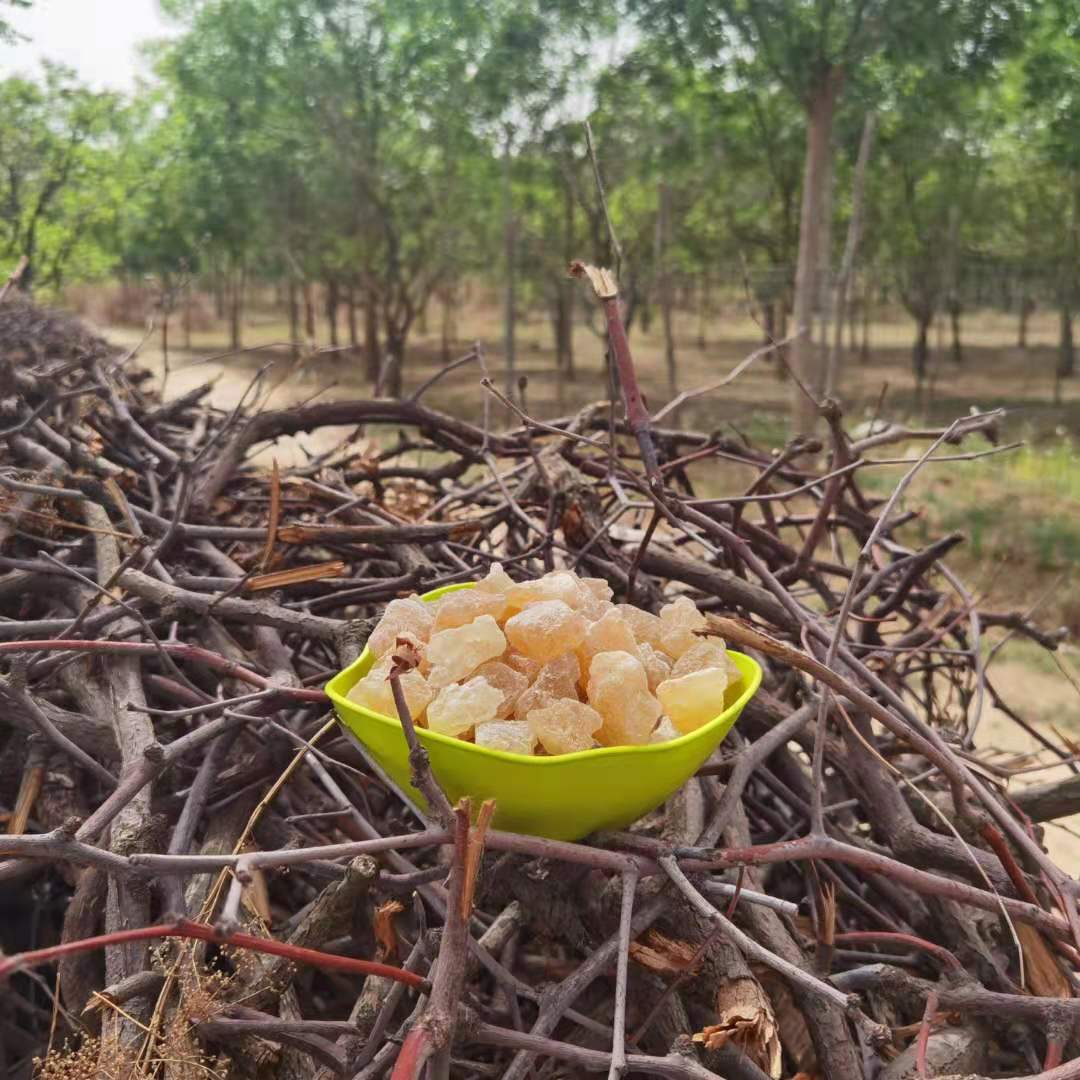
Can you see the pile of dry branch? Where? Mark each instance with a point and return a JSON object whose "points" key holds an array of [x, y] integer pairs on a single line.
{"points": [[844, 888]]}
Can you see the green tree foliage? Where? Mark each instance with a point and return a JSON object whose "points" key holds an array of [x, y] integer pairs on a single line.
{"points": [[7, 32], [60, 187], [372, 155], [812, 49]]}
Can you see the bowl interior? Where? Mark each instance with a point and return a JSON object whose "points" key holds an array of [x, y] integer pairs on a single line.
{"points": [[563, 797]]}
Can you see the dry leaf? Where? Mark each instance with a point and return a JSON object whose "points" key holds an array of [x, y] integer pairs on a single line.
{"points": [[747, 1020], [386, 940], [664, 954], [1044, 975]]}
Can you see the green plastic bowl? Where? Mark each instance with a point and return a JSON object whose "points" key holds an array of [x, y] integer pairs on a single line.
{"points": [[564, 797]]}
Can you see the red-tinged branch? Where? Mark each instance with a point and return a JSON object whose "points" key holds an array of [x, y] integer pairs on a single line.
{"points": [[992, 835], [194, 653], [185, 928], [433, 1033], [423, 779], [416, 1051], [1055, 1048], [637, 416], [873, 937], [924, 1034]]}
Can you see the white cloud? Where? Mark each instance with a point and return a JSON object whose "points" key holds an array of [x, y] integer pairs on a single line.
{"points": [[98, 38]]}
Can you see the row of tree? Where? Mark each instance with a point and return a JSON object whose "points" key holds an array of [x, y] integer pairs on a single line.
{"points": [[388, 150]]}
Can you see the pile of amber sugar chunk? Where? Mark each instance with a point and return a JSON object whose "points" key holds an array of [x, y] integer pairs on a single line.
{"points": [[550, 666]]}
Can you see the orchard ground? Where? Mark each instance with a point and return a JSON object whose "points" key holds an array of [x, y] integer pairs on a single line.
{"points": [[1020, 511]]}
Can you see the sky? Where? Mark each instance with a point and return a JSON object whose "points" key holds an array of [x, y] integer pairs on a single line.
{"points": [[98, 38]]}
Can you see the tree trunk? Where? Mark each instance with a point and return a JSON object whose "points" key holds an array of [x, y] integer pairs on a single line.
{"points": [[331, 311], [804, 359], [783, 353], [920, 351], [645, 314], [309, 312], [1027, 306], [1066, 366], [185, 317], [294, 316], [663, 229], [236, 309], [372, 359], [559, 317], [449, 322], [391, 375], [957, 351], [219, 293], [27, 277], [569, 301], [768, 318], [567, 290], [510, 259], [703, 309], [350, 302], [851, 246], [953, 305], [823, 302], [864, 344]]}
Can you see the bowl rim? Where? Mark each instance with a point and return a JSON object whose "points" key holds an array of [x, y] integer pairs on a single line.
{"points": [[752, 675]]}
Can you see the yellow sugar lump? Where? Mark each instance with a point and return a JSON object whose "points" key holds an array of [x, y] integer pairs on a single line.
{"points": [[657, 665], [410, 616], [597, 596], [525, 664], [510, 683], [373, 691], [610, 633], [461, 706], [512, 736], [598, 588], [456, 653], [678, 621], [556, 585], [550, 666], [459, 608], [694, 699], [497, 581], [704, 653], [557, 679], [546, 629], [618, 689], [565, 726], [708, 652], [647, 628], [664, 731]]}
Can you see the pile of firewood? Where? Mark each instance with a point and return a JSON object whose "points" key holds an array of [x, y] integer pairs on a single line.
{"points": [[202, 875]]}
